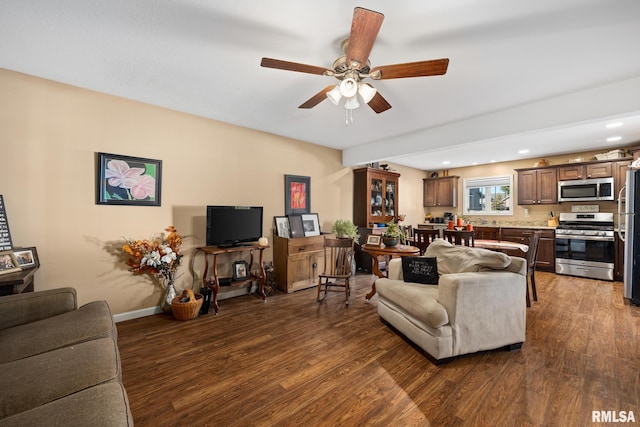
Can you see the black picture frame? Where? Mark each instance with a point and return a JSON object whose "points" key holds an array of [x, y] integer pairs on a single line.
{"points": [[311, 224], [297, 194], [127, 180], [240, 270], [295, 223], [283, 228], [27, 257]]}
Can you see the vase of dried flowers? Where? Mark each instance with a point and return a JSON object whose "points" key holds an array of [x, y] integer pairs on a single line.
{"points": [[168, 296], [160, 257]]}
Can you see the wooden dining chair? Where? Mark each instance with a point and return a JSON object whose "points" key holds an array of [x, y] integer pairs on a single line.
{"points": [[422, 237], [338, 257], [532, 257], [459, 237], [407, 231], [486, 233]]}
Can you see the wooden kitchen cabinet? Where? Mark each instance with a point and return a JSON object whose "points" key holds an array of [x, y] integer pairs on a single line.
{"points": [[620, 177], [546, 247], [442, 191], [375, 196], [297, 261], [537, 186], [594, 170]]}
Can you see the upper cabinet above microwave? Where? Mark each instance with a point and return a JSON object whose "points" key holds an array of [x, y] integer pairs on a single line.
{"points": [[595, 170], [540, 185]]}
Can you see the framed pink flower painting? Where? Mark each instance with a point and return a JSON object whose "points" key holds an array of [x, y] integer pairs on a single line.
{"points": [[126, 180]]}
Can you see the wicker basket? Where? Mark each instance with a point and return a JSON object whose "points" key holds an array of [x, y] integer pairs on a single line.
{"points": [[186, 310]]}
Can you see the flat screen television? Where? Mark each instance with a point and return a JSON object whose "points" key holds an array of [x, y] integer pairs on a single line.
{"points": [[233, 225]]}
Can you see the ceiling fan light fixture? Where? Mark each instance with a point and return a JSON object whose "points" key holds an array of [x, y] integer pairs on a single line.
{"points": [[367, 92], [351, 103], [348, 87], [334, 95]]}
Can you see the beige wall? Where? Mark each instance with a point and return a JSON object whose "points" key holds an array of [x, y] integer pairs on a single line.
{"points": [[49, 134]]}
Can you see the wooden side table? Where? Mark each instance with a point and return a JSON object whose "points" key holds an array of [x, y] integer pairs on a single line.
{"points": [[376, 251], [18, 282], [212, 253]]}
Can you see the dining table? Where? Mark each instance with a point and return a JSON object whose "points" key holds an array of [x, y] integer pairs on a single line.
{"points": [[509, 248], [387, 251]]}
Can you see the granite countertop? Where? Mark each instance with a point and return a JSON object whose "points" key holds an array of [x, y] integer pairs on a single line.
{"points": [[514, 225], [504, 224]]}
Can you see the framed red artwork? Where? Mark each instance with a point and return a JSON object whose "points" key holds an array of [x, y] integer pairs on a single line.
{"points": [[297, 194]]}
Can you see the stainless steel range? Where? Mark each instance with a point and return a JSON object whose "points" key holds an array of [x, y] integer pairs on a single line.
{"points": [[585, 245]]}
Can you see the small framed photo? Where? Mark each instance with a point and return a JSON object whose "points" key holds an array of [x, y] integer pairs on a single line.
{"points": [[27, 257], [374, 239], [8, 263], [283, 228], [310, 224], [240, 270], [295, 221]]}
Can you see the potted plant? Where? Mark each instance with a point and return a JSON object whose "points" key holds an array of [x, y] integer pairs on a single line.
{"points": [[343, 228], [392, 234]]}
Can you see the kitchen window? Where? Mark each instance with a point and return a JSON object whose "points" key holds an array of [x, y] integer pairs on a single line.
{"points": [[488, 196]]}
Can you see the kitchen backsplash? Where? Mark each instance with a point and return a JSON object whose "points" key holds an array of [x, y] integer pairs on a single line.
{"points": [[530, 215]]}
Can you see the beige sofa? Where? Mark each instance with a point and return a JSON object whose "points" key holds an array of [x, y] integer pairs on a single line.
{"points": [[59, 364], [478, 304]]}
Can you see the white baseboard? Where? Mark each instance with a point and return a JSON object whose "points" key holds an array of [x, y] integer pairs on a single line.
{"points": [[150, 311], [143, 312]]}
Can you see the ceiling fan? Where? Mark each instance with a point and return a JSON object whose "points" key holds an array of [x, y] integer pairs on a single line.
{"points": [[354, 66]]}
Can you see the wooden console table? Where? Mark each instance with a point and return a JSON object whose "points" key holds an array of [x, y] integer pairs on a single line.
{"points": [[376, 251], [212, 252], [18, 282]]}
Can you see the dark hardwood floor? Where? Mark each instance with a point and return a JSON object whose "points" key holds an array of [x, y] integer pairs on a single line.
{"points": [[293, 361]]}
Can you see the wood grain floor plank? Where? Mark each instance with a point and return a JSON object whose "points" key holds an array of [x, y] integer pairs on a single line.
{"points": [[293, 361]]}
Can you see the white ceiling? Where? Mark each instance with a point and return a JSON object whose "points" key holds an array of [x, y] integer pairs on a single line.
{"points": [[543, 75]]}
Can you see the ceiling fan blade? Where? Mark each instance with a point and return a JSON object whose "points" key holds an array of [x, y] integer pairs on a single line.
{"points": [[364, 30], [294, 66], [317, 98], [434, 67], [379, 104]]}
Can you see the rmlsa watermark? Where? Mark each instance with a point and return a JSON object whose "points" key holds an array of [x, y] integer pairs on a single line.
{"points": [[613, 417]]}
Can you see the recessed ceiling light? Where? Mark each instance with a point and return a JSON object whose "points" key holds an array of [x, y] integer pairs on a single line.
{"points": [[493, 161], [614, 138], [446, 162], [523, 151], [614, 125], [474, 163]]}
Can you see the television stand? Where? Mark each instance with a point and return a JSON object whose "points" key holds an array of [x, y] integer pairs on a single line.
{"points": [[233, 245], [210, 278]]}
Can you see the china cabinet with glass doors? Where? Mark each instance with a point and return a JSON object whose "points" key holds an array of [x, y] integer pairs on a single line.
{"points": [[375, 196]]}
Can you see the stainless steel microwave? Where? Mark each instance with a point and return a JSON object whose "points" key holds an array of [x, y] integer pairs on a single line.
{"points": [[585, 190]]}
